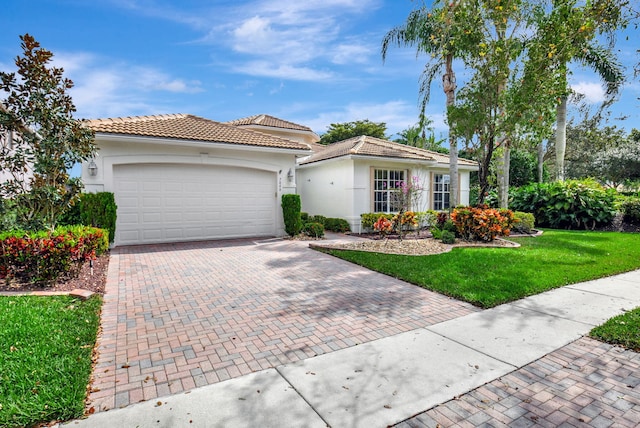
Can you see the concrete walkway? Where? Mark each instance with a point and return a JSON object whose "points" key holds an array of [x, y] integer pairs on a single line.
{"points": [[529, 347]]}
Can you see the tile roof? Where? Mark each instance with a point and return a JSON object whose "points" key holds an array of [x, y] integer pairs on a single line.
{"points": [[270, 121], [189, 127], [371, 146]]}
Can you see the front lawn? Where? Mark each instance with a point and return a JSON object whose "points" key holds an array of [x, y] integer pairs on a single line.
{"points": [[45, 357], [488, 277], [623, 330]]}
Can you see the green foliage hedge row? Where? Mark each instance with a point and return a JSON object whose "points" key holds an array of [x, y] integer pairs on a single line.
{"points": [[572, 204], [291, 206], [93, 209], [424, 218], [43, 257]]}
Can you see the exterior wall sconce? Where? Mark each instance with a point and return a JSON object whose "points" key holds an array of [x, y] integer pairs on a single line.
{"points": [[93, 169], [290, 174]]}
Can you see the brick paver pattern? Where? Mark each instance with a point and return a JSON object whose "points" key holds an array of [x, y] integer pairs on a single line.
{"points": [[584, 384], [181, 316]]}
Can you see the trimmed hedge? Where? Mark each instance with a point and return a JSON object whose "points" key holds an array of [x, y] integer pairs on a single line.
{"points": [[314, 230], [43, 257], [93, 209], [523, 222], [339, 225], [291, 206], [630, 209]]}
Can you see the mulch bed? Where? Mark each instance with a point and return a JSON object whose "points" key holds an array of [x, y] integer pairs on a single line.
{"points": [[86, 280]]}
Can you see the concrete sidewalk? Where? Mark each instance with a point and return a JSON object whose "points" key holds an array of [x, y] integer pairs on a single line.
{"points": [[387, 381]]}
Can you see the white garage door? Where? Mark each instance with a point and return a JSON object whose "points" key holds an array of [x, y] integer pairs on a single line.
{"points": [[173, 203]]}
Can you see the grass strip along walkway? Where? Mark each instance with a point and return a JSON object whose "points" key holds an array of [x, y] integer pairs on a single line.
{"points": [[45, 357], [487, 277]]}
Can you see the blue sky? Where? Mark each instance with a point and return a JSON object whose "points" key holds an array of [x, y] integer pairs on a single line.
{"points": [[313, 62]]}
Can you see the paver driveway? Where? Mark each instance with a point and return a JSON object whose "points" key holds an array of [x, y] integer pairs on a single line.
{"points": [[180, 316]]}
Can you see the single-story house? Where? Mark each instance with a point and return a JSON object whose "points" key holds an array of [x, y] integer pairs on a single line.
{"points": [[180, 177], [361, 174]]}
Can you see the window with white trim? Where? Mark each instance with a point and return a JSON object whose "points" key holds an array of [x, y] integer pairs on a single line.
{"points": [[441, 192], [385, 184]]}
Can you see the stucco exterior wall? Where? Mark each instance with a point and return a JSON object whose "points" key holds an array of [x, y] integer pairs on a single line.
{"points": [[121, 151], [326, 188]]}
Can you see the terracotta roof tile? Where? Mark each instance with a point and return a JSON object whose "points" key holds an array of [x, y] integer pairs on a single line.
{"points": [[189, 127], [270, 121], [371, 146]]}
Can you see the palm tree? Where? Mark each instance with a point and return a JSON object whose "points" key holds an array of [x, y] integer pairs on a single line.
{"points": [[606, 64], [433, 32]]}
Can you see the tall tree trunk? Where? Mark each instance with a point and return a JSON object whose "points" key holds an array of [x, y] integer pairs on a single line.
{"points": [[540, 161], [503, 176], [561, 138], [449, 85]]}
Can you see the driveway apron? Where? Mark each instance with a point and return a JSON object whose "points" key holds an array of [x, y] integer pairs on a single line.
{"points": [[181, 316]]}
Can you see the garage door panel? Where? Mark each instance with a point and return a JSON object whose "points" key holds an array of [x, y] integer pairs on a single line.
{"points": [[170, 203]]}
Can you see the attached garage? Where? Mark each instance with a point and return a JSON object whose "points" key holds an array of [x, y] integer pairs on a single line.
{"points": [[184, 178], [173, 203]]}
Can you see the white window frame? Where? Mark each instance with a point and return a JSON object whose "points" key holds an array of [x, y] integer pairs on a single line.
{"points": [[441, 191], [385, 182]]}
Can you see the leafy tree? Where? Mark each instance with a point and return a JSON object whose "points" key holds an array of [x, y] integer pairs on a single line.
{"points": [[416, 136], [45, 141], [342, 131]]}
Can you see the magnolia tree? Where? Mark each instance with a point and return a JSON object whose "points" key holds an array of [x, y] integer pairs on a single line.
{"points": [[45, 140]]}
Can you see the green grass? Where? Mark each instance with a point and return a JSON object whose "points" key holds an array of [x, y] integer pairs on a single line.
{"points": [[623, 330], [487, 277], [45, 357]]}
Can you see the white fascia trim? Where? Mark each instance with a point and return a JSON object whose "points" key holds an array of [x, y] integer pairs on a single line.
{"points": [[194, 143], [372, 158]]}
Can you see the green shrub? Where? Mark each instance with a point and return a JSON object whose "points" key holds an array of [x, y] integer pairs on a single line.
{"points": [[523, 222], [448, 237], [631, 210], [304, 217], [317, 219], [315, 230], [43, 257], [449, 226], [291, 213], [436, 232], [99, 210], [367, 220], [571, 204], [481, 223], [93, 209], [339, 225]]}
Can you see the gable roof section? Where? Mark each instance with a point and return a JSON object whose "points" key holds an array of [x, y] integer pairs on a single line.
{"points": [[270, 121], [371, 146], [189, 127]]}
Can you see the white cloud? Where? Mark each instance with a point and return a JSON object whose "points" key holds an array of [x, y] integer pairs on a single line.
{"points": [[282, 71], [593, 93], [103, 89], [351, 53]]}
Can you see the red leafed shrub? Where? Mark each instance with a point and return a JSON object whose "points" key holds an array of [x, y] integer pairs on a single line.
{"points": [[383, 225], [482, 223], [43, 257]]}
